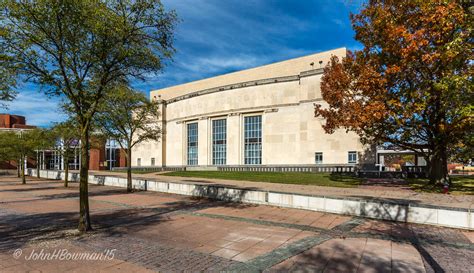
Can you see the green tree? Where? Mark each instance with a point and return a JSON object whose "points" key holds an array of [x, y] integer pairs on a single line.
{"points": [[463, 151], [411, 85], [7, 72], [6, 149], [79, 49], [44, 139], [130, 118], [67, 134], [6, 83], [19, 146]]}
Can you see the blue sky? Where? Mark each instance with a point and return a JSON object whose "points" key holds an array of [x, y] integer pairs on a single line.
{"points": [[221, 36]]}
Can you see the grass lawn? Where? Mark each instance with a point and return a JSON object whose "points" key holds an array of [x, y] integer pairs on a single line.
{"points": [[317, 179], [134, 171], [460, 185]]}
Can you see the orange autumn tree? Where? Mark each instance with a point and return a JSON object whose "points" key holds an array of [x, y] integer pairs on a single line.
{"points": [[411, 85]]}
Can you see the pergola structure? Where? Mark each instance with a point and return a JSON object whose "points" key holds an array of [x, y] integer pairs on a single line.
{"points": [[382, 154], [53, 159]]}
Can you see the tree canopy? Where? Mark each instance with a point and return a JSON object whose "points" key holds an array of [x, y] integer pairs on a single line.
{"points": [[19, 145], [412, 83], [130, 118], [78, 50], [7, 81]]}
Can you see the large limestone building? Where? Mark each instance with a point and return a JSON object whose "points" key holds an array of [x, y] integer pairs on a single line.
{"points": [[259, 116]]}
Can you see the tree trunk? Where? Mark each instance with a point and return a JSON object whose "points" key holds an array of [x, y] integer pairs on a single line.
{"points": [[18, 168], [129, 169], [22, 170], [84, 218], [66, 171], [438, 169], [38, 160]]}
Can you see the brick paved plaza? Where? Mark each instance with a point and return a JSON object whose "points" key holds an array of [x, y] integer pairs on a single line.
{"points": [[168, 233]]}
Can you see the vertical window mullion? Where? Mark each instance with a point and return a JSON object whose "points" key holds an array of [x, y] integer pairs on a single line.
{"points": [[253, 140], [192, 130], [219, 142], [352, 157]]}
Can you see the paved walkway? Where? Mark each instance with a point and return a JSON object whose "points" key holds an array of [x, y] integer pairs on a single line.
{"points": [[377, 189], [146, 231]]}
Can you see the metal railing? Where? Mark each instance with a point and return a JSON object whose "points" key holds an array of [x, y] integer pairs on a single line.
{"points": [[151, 169], [321, 169], [254, 168]]}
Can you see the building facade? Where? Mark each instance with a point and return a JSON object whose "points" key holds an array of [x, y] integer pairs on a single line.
{"points": [[13, 122], [260, 116], [104, 155]]}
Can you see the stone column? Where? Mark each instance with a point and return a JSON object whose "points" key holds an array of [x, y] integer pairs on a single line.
{"points": [[161, 160], [234, 136], [203, 141]]}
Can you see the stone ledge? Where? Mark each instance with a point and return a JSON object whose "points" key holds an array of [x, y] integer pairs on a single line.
{"points": [[238, 85], [364, 207]]}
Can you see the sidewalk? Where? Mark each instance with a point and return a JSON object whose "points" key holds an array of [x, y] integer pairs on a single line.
{"points": [[148, 231], [399, 194]]}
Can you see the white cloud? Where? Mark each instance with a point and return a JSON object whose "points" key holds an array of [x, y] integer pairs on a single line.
{"points": [[215, 37], [339, 22], [218, 63], [38, 109]]}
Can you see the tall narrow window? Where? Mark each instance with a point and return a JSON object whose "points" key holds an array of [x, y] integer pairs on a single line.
{"points": [[153, 161], [139, 162], [253, 140], [219, 142], [192, 144], [352, 157]]}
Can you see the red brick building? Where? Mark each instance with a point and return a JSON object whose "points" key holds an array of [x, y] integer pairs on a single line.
{"points": [[103, 157], [14, 122], [106, 156]]}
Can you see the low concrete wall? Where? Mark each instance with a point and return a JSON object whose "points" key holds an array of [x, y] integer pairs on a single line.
{"points": [[376, 209], [8, 171]]}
